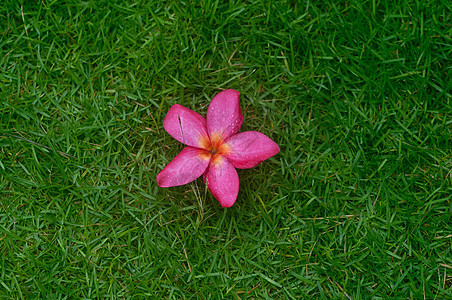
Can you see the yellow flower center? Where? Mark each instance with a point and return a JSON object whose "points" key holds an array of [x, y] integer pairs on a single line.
{"points": [[216, 146]]}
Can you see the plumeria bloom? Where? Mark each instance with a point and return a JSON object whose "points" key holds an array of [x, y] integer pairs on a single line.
{"points": [[213, 147]]}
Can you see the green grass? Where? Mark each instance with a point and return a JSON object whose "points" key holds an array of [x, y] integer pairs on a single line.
{"points": [[356, 205]]}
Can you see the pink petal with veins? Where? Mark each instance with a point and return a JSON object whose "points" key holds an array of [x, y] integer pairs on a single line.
{"points": [[223, 181], [188, 165], [224, 116], [185, 125], [249, 148]]}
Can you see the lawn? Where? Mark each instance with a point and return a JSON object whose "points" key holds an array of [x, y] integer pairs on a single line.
{"points": [[357, 204]]}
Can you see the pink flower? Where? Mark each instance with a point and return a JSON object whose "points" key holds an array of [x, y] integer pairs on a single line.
{"points": [[214, 148]]}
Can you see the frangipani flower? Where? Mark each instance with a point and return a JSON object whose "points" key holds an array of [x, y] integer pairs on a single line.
{"points": [[213, 147]]}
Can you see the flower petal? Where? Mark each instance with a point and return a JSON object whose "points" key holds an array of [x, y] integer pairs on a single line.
{"points": [[188, 165], [224, 116], [186, 126], [223, 181], [249, 148]]}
